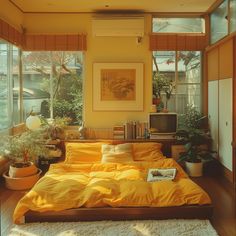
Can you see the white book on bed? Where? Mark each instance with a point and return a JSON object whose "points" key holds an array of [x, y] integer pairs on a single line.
{"points": [[158, 174]]}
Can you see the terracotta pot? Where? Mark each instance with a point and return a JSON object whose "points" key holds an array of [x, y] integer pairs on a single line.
{"points": [[194, 169], [156, 101], [21, 183], [15, 171]]}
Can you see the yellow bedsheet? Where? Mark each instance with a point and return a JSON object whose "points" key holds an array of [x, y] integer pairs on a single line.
{"points": [[98, 185]]}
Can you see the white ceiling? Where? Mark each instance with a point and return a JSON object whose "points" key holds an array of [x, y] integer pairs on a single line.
{"points": [[71, 6]]}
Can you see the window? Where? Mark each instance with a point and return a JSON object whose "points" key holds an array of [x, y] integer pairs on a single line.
{"points": [[16, 85], [52, 84], [183, 68], [4, 86], [232, 16], [219, 22], [9, 75], [178, 25]]}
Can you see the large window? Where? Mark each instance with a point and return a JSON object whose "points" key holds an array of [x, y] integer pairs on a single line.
{"points": [[219, 22], [178, 25], [52, 84], [4, 86], [183, 68], [9, 90], [232, 16]]}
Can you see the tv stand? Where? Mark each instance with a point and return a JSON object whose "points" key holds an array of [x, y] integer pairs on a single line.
{"points": [[162, 136]]}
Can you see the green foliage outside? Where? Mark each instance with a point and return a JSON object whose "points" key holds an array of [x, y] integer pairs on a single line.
{"points": [[65, 70]]}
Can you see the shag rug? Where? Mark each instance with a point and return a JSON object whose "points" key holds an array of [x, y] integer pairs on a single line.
{"points": [[117, 228]]}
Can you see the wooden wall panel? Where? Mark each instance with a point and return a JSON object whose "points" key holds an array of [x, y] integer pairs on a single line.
{"points": [[226, 60], [213, 64]]}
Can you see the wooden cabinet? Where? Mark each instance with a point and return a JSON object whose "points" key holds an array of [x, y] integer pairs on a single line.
{"points": [[226, 60], [225, 122], [213, 64], [213, 112], [220, 100]]}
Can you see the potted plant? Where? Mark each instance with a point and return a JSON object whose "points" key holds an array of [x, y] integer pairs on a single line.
{"points": [[195, 141], [54, 129], [22, 151], [160, 85], [197, 152]]}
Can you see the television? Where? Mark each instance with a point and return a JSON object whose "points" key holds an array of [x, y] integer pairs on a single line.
{"points": [[163, 124]]}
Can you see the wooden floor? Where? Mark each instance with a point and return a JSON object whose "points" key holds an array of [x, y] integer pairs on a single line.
{"points": [[220, 191]]}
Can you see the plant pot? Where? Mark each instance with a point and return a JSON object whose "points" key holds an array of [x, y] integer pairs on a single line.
{"points": [[194, 169], [21, 183], [16, 172]]}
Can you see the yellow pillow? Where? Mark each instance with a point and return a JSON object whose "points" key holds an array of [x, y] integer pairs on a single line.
{"points": [[148, 151], [117, 153], [83, 152]]}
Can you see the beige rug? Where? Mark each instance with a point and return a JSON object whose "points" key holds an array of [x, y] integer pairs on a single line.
{"points": [[118, 228]]}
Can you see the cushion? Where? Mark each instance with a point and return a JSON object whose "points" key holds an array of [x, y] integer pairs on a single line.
{"points": [[117, 153], [148, 151], [83, 152]]}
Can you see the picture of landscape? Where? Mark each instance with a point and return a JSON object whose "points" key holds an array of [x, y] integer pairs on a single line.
{"points": [[118, 84]]}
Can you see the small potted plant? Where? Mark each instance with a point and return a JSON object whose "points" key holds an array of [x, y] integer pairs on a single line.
{"points": [[22, 151], [54, 129]]}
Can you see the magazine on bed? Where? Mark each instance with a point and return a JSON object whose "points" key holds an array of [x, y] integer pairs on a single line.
{"points": [[158, 174]]}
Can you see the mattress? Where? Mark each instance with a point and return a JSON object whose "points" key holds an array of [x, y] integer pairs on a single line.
{"points": [[67, 186]]}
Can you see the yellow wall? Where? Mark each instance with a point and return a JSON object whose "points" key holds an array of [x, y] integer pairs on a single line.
{"points": [[10, 14], [100, 49]]}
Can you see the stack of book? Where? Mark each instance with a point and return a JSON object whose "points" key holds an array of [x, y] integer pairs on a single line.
{"points": [[136, 130], [119, 132]]}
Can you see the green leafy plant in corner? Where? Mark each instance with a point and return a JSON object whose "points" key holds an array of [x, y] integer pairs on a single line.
{"points": [[197, 150]]}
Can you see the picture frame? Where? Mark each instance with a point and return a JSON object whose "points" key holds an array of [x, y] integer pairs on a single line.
{"points": [[118, 86]]}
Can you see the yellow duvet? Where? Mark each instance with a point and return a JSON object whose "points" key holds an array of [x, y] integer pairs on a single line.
{"points": [[100, 185]]}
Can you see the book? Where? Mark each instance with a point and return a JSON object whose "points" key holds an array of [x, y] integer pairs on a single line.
{"points": [[119, 132], [159, 174]]}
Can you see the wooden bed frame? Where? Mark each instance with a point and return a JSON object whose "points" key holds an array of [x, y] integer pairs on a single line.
{"points": [[121, 213]]}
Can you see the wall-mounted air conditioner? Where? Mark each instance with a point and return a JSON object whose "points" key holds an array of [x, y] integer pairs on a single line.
{"points": [[107, 25]]}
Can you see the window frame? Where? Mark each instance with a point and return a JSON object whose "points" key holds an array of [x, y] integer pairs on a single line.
{"points": [[177, 83], [179, 16]]}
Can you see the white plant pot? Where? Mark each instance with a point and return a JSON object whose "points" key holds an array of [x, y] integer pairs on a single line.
{"points": [[21, 183], [16, 172], [194, 169]]}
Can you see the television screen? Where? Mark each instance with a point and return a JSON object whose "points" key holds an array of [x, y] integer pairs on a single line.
{"points": [[163, 123]]}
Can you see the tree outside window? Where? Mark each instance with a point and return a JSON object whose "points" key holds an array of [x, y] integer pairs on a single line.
{"points": [[55, 78]]}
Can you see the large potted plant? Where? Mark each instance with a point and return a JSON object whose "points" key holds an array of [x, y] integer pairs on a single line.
{"points": [[196, 150], [195, 140], [22, 151]]}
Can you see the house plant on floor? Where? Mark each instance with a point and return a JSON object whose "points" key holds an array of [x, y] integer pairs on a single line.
{"points": [[22, 151], [196, 142], [197, 152]]}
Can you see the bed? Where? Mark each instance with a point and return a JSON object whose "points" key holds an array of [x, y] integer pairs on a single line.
{"points": [[100, 181]]}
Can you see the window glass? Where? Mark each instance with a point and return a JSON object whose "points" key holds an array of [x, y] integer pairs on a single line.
{"points": [[189, 67], [219, 22], [178, 25], [232, 16], [183, 68], [53, 84], [16, 85], [4, 86]]}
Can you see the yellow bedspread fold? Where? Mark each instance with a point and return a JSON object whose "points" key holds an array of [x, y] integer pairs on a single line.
{"points": [[99, 185]]}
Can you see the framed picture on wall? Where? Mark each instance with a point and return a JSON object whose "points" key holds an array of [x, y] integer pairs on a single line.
{"points": [[118, 86]]}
